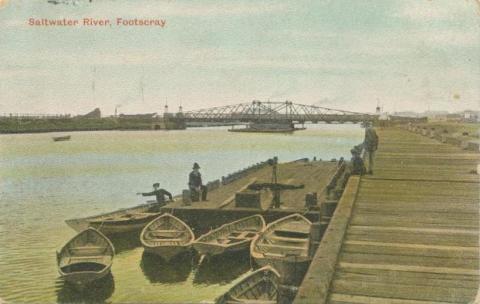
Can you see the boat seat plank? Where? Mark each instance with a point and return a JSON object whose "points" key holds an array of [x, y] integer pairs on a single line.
{"points": [[287, 239], [160, 240], [91, 257], [88, 248], [167, 231], [281, 246]]}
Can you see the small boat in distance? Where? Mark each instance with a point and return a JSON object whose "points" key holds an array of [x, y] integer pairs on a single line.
{"points": [[120, 221], [86, 257], [284, 245], [61, 138], [167, 236], [230, 237], [260, 287]]}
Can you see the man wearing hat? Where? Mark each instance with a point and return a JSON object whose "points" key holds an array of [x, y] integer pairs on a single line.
{"points": [[159, 193], [195, 184], [370, 144], [358, 167]]}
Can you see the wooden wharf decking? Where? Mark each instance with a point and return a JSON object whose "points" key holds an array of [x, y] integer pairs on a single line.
{"points": [[220, 207], [409, 233]]}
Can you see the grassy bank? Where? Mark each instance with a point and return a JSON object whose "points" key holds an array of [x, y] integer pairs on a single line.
{"points": [[454, 128]]}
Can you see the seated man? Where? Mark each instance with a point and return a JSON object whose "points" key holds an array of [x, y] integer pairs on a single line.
{"points": [[358, 167], [195, 184], [159, 193]]}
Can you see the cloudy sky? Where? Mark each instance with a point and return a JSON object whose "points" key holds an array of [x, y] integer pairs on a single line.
{"points": [[345, 54]]}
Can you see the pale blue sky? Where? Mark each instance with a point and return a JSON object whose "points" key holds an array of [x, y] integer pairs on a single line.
{"points": [[345, 54]]}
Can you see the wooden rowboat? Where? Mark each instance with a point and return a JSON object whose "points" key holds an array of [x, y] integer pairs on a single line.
{"points": [[86, 257], [230, 237], [284, 245], [167, 236], [61, 138], [120, 221], [260, 287]]}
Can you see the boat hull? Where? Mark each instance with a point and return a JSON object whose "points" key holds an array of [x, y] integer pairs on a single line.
{"points": [[167, 236], [86, 257], [215, 249], [261, 286], [231, 237], [61, 138], [102, 223], [291, 269], [84, 278], [121, 227]]}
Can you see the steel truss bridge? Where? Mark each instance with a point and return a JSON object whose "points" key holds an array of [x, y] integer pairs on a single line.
{"points": [[275, 112]]}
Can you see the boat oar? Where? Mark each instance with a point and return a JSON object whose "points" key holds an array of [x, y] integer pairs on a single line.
{"points": [[202, 257]]}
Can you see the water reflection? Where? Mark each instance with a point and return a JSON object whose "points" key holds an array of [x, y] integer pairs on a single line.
{"points": [[222, 269], [96, 292], [157, 270], [125, 241]]}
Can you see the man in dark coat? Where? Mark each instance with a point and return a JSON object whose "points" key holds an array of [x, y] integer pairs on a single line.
{"points": [[358, 167], [159, 193], [195, 184], [370, 144]]}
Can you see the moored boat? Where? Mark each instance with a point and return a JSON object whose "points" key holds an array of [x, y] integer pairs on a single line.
{"points": [[230, 237], [167, 236], [284, 245], [61, 138], [261, 287], [120, 221], [86, 257]]}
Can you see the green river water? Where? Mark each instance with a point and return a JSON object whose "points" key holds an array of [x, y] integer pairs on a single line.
{"points": [[42, 183]]}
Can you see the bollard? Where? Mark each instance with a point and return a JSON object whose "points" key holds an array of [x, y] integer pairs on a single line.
{"points": [[186, 198]]}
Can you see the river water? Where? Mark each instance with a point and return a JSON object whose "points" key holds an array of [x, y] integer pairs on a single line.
{"points": [[42, 183]]}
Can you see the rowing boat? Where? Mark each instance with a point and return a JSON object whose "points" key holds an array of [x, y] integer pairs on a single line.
{"points": [[284, 245], [230, 237], [120, 221], [167, 236], [260, 287], [86, 257], [61, 138]]}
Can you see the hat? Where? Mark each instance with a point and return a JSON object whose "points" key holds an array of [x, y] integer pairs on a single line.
{"points": [[354, 151], [156, 185], [196, 166]]}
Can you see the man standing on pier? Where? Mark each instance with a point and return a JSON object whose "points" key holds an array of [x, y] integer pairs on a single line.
{"points": [[370, 144], [159, 193], [195, 184]]}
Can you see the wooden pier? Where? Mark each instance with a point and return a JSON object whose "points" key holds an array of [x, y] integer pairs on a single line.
{"points": [[409, 233], [221, 207]]}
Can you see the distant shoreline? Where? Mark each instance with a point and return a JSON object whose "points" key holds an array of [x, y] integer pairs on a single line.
{"points": [[34, 125]]}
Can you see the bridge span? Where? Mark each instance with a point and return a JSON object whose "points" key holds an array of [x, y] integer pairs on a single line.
{"points": [[272, 111]]}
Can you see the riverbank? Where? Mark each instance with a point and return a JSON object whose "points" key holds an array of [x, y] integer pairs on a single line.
{"points": [[13, 125]]}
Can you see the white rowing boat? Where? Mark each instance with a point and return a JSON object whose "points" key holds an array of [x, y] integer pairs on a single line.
{"points": [[86, 257], [284, 245], [230, 237], [259, 287], [167, 236]]}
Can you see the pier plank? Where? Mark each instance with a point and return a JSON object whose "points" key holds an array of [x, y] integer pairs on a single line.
{"points": [[413, 235]]}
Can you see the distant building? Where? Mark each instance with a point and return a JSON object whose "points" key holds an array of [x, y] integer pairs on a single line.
{"points": [[436, 115], [470, 116], [96, 113], [455, 117]]}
